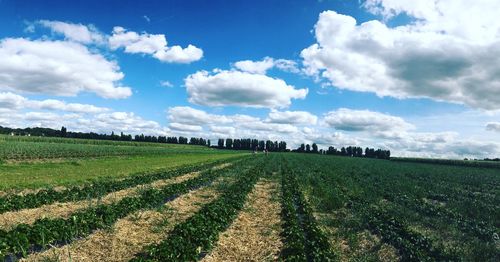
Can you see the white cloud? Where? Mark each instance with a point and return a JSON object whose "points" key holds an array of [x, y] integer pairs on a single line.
{"points": [[261, 67], [12, 101], [325, 139], [255, 67], [287, 65], [441, 145], [233, 88], [191, 116], [493, 126], [177, 54], [57, 68], [75, 32], [166, 84], [292, 117], [153, 44], [183, 127], [365, 120], [136, 43], [451, 53], [271, 127], [223, 131], [52, 104], [126, 122]]}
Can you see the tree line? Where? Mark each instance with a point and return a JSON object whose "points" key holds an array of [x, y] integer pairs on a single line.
{"points": [[228, 143], [63, 132], [251, 144], [350, 151]]}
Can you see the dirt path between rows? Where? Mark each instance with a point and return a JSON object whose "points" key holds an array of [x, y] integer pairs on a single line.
{"points": [[255, 234], [63, 210], [133, 233]]}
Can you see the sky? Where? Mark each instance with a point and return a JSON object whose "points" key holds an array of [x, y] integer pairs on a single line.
{"points": [[420, 78]]}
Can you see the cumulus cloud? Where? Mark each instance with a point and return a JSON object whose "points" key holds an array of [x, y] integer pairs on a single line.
{"points": [[153, 44], [441, 145], [177, 54], [225, 131], [365, 120], [255, 67], [451, 53], [292, 117], [261, 67], [57, 68], [12, 101], [493, 126], [222, 124], [183, 127], [234, 88], [191, 116], [75, 32], [272, 127], [127, 122]]}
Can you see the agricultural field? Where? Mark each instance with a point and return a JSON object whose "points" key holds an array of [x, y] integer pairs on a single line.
{"points": [[215, 205], [34, 162], [23, 148]]}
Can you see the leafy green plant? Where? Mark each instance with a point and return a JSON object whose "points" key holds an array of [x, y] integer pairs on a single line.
{"points": [[192, 239]]}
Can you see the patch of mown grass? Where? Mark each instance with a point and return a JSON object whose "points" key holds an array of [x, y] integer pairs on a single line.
{"points": [[67, 173]]}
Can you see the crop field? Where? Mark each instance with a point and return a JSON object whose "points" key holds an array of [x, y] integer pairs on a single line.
{"points": [[36, 148], [194, 203]]}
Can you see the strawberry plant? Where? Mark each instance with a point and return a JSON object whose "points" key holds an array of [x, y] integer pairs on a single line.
{"points": [[190, 240]]}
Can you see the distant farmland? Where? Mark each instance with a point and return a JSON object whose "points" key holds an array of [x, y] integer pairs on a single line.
{"points": [[89, 200]]}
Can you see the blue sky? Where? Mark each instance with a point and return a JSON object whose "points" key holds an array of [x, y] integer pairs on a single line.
{"points": [[374, 73]]}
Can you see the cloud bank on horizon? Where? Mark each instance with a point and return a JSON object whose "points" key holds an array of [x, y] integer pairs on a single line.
{"points": [[445, 54]]}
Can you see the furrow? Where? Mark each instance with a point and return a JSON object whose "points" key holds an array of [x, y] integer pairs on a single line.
{"points": [[132, 233], [63, 210], [255, 234]]}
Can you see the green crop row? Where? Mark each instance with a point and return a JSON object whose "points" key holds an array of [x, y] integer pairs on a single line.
{"points": [[304, 240], [192, 239], [480, 229], [467, 163], [96, 189], [411, 245], [24, 239]]}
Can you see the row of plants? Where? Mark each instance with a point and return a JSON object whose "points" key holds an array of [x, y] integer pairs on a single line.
{"points": [[25, 239], [412, 246], [479, 229], [304, 240], [421, 210], [191, 240], [93, 190], [468, 163]]}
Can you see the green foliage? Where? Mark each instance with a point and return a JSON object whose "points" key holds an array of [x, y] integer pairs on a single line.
{"points": [[192, 239], [25, 238], [94, 190], [35, 148], [467, 163], [427, 212], [304, 240]]}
